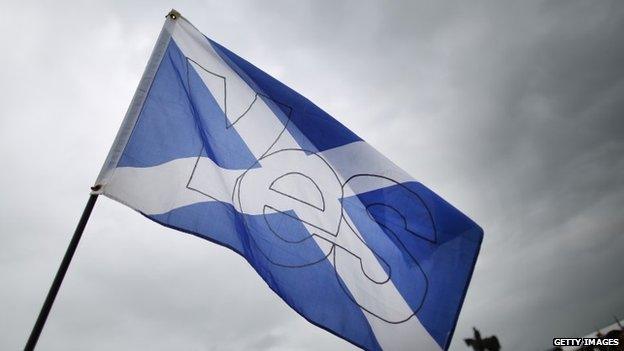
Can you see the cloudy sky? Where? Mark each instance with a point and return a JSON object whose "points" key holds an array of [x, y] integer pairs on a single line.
{"points": [[513, 112]]}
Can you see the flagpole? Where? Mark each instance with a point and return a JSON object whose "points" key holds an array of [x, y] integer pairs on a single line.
{"points": [[60, 274], [111, 161]]}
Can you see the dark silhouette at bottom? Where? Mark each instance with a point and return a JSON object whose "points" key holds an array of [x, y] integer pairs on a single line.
{"points": [[479, 344]]}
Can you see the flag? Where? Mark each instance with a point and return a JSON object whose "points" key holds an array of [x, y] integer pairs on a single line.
{"points": [[214, 147]]}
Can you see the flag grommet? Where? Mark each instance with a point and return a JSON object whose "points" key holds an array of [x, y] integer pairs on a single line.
{"points": [[173, 14]]}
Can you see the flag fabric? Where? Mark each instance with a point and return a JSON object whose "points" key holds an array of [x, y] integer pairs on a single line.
{"points": [[213, 146]]}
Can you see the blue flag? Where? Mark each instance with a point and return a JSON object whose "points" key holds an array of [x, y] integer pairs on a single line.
{"points": [[215, 147]]}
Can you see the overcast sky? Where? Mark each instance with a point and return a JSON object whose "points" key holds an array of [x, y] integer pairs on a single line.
{"points": [[512, 112]]}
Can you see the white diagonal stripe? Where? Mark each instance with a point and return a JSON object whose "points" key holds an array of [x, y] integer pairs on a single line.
{"points": [[162, 188]]}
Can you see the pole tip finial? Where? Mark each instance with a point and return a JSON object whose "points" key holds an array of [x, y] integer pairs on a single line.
{"points": [[96, 187], [173, 14]]}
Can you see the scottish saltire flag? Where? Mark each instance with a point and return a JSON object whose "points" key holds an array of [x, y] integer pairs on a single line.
{"points": [[215, 147]]}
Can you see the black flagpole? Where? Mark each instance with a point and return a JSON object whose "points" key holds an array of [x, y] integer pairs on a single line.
{"points": [[60, 274], [148, 75]]}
